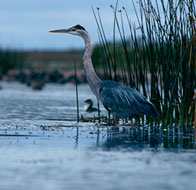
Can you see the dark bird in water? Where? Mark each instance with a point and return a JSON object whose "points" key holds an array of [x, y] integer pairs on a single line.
{"points": [[90, 107], [120, 100]]}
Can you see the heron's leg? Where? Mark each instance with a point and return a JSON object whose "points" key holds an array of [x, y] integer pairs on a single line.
{"points": [[131, 123], [126, 120], [109, 116], [116, 121], [98, 110]]}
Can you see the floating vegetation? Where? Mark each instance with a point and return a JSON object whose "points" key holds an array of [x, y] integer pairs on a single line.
{"points": [[159, 59]]}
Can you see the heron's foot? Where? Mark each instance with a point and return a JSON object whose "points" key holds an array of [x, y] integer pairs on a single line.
{"points": [[116, 121]]}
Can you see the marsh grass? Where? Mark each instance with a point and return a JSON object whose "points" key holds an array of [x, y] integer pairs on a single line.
{"points": [[10, 59], [159, 59]]}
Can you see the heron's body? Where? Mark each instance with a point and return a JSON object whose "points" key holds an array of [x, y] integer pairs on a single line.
{"points": [[122, 101]]}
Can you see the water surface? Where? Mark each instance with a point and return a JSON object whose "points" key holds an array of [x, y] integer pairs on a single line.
{"points": [[39, 150]]}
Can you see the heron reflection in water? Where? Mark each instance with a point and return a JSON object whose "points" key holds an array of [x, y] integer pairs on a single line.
{"points": [[120, 100]]}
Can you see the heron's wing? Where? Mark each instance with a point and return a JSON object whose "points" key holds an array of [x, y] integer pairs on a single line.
{"points": [[120, 99]]}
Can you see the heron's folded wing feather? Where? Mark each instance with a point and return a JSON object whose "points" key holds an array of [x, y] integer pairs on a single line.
{"points": [[121, 98]]}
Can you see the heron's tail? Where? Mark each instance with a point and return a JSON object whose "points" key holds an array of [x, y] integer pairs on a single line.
{"points": [[151, 110]]}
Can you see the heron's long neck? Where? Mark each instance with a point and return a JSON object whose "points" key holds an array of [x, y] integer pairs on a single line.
{"points": [[91, 76]]}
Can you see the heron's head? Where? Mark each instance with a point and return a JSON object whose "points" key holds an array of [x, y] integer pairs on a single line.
{"points": [[75, 30]]}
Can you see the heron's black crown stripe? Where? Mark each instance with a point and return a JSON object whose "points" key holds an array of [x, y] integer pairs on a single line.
{"points": [[79, 27]]}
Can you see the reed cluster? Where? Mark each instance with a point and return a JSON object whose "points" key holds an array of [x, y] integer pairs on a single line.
{"points": [[159, 59], [10, 60]]}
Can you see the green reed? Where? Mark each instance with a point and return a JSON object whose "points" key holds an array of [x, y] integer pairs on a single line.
{"points": [[76, 85], [10, 59], [158, 59]]}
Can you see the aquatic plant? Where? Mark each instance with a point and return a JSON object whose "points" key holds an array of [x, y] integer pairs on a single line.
{"points": [[76, 84], [160, 57], [10, 59]]}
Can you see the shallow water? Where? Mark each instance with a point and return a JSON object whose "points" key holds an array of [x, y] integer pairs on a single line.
{"points": [[38, 150]]}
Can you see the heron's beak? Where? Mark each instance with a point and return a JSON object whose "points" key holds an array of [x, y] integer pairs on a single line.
{"points": [[60, 31]]}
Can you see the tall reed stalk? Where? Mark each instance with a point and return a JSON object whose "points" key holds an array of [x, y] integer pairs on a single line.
{"points": [[10, 59], [76, 84], [159, 58]]}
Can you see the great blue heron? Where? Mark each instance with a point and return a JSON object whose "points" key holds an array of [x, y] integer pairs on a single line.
{"points": [[121, 101], [90, 107]]}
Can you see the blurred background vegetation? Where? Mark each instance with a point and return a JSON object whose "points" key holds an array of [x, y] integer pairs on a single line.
{"points": [[39, 60], [11, 60]]}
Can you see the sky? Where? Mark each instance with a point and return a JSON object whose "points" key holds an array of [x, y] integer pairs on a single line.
{"points": [[24, 24]]}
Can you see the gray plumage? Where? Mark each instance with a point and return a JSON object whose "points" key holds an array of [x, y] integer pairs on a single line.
{"points": [[122, 101]]}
